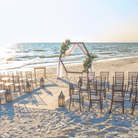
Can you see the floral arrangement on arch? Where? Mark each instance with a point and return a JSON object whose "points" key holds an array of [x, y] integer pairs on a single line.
{"points": [[88, 62], [64, 47]]}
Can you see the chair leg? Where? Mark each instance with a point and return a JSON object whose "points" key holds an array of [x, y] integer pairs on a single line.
{"points": [[83, 101], [130, 95], [80, 104], [110, 107], [69, 104], [108, 86], [104, 94], [72, 102], [133, 107], [19, 89], [101, 106], [89, 105], [123, 107]]}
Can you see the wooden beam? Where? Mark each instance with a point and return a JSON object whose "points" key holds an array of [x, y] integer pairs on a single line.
{"points": [[63, 63], [63, 66], [74, 72]]}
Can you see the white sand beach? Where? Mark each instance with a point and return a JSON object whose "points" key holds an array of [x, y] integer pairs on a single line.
{"points": [[38, 115]]}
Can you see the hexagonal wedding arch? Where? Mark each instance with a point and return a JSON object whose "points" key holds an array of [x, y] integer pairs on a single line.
{"points": [[68, 52]]}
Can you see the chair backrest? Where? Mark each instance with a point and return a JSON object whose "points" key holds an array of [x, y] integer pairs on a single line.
{"points": [[97, 89], [136, 93], [2, 74], [118, 80], [134, 83], [19, 73], [118, 90], [100, 80], [28, 74], [132, 74], [11, 76], [105, 74], [119, 74], [72, 88]]}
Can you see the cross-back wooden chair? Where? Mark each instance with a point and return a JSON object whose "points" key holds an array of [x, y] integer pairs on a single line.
{"points": [[133, 85], [130, 75], [20, 75], [75, 95], [2, 74], [100, 80], [83, 84], [29, 77], [105, 74], [2, 90], [9, 80], [118, 94], [18, 84], [135, 98], [95, 95]]}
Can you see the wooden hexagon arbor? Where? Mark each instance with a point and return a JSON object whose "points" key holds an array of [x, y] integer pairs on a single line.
{"points": [[60, 60]]}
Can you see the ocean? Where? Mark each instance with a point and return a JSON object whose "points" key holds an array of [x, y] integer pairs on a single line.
{"points": [[29, 55]]}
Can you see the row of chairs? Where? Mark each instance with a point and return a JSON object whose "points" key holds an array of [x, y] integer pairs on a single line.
{"points": [[118, 75], [96, 87], [15, 80]]}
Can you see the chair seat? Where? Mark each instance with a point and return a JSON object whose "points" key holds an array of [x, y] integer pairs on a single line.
{"points": [[117, 99], [95, 97], [83, 87], [31, 79], [134, 89], [130, 82], [8, 84], [17, 84], [116, 88], [1, 83], [105, 81], [5, 78], [2, 91], [22, 79], [76, 97]]}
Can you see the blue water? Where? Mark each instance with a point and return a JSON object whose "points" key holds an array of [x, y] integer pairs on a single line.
{"points": [[47, 54]]}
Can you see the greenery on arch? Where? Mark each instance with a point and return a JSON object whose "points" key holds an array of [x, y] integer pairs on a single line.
{"points": [[64, 47], [88, 62]]}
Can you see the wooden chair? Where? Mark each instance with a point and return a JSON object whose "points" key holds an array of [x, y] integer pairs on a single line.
{"points": [[105, 74], [135, 98], [95, 96], [75, 95], [100, 80], [9, 80], [18, 84], [133, 85], [118, 93], [20, 75], [29, 77], [83, 84], [2, 92], [130, 75], [1, 81]]}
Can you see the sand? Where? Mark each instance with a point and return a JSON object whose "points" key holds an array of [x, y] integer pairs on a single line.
{"points": [[38, 115]]}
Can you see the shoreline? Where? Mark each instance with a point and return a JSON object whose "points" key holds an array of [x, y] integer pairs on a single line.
{"points": [[30, 67]]}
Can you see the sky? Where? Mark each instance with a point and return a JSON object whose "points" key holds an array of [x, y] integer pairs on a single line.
{"points": [[77, 20]]}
